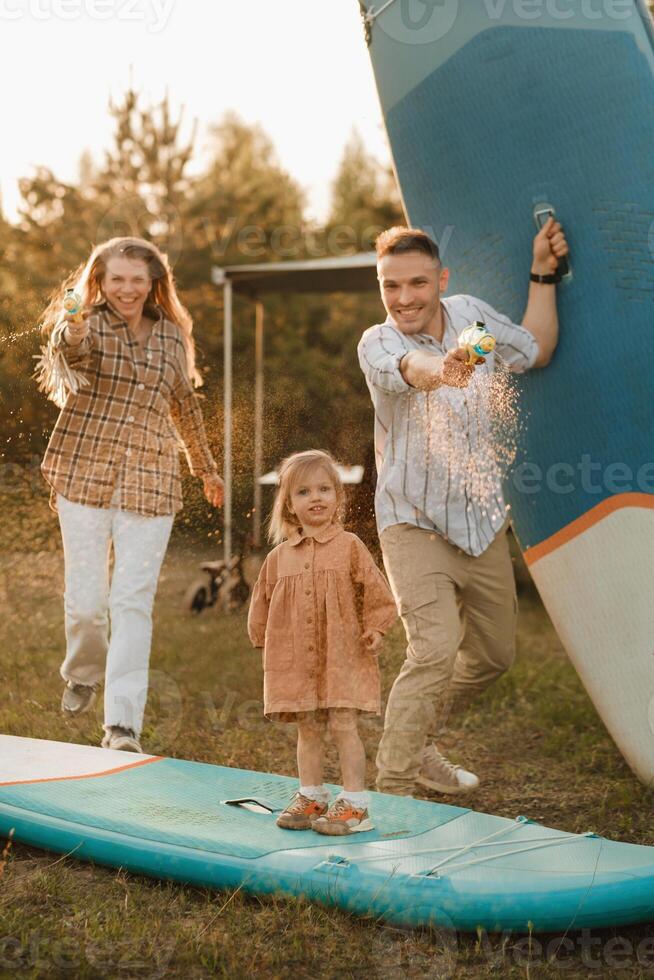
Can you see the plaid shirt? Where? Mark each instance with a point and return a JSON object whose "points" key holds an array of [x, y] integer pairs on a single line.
{"points": [[127, 413]]}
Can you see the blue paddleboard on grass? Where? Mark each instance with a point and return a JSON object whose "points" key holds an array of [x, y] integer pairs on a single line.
{"points": [[495, 109], [423, 864]]}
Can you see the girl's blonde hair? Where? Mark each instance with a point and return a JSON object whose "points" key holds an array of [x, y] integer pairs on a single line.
{"points": [[86, 280], [292, 471]]}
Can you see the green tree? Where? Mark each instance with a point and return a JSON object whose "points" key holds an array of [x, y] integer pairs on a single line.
{"points": [[142, 187], [365, 197], [243, 208], [137, 190]]}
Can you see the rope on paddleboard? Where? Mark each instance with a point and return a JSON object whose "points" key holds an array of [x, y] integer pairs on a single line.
{"points": [[549, 842], [457, 851], [370, 16]]}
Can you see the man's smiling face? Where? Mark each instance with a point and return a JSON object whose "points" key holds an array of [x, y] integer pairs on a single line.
{"points": [[411, 285]]}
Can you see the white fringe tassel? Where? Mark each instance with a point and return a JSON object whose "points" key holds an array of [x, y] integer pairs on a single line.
{"points": [[55, 377]]}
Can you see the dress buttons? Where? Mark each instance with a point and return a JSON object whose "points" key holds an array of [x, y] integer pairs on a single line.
{"points": [[308, 592], [307, 564], [309, 619], [141, 386], [130, 418], [128, 452], [310, 647]]}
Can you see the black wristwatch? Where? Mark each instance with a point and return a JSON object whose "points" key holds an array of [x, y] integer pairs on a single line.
{"points": [[549, 280]]}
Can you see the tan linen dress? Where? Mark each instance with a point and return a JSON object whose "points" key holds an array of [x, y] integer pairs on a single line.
{"points": [[313, 599]]}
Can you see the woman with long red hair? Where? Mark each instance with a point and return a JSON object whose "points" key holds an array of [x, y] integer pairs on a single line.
{"points": [[121, 368]]}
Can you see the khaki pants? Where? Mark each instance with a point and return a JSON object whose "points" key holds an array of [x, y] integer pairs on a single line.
{"points": [[459, 614]]}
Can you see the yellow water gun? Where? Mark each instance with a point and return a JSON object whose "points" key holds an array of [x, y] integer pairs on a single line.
{"points": [[476, 341], [73, 306]]}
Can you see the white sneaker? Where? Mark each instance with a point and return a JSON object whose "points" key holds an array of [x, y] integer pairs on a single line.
{"points": [[440, 774], [119, 738], [78, 698]]}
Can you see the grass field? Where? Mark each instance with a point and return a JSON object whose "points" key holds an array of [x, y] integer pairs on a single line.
{"points": [[535, 739]]}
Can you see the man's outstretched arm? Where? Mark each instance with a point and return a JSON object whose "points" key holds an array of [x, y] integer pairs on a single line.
{"points": [[540, 317]]}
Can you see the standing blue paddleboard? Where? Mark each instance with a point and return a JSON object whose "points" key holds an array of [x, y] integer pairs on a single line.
{"points": [[424, 864], [494, 109]]}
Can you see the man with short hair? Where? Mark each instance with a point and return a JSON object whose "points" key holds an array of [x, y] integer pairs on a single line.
{"points": [[444, 546]]}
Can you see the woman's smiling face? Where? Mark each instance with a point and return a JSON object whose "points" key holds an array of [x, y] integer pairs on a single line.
{"points": [[126, 285]]}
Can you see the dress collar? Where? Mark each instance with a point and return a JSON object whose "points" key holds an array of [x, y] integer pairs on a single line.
{"points": [[326, 535]]}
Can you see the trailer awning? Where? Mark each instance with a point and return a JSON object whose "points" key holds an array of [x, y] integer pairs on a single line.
{"points": [[341, 274]]}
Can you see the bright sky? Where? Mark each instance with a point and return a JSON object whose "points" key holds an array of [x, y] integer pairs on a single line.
{"points": [[298, 67]]}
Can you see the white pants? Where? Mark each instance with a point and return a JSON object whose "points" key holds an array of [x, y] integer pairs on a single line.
{"points": [[90, 600]]}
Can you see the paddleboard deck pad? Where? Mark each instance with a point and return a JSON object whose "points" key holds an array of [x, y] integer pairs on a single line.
{"points": [[493, 110], [423, 864]]}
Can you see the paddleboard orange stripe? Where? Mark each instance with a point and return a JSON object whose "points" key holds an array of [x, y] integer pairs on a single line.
{"points": [[586, 521], [86, 775]]}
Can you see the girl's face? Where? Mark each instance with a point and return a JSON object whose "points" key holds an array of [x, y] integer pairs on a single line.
{"points": [[126, 285], [313, 500]]}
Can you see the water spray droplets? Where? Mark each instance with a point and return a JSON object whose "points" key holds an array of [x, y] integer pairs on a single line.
{"points": [[469, 437], [13, 336]]}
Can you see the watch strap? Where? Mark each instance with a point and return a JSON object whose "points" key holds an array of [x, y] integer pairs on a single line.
{"points": [[550, 279]]}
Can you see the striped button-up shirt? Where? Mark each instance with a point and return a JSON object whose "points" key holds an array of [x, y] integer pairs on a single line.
{"points": [[428, 444], [127, 414]]}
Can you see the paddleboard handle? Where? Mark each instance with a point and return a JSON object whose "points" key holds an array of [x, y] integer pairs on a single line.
{"points": [[476, 341], [250, 803], [73, 306], [542, 214]]}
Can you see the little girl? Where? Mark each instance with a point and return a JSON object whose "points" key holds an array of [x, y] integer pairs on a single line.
{"points": [[319, 610]]}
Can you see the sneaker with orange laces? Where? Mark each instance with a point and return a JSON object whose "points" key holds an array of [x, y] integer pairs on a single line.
{"points": [[343, 818], [301, 813]]}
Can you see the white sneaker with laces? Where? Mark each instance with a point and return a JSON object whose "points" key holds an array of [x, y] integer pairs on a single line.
{"points": [[78, 698], [119, 738], [440, 774]]}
